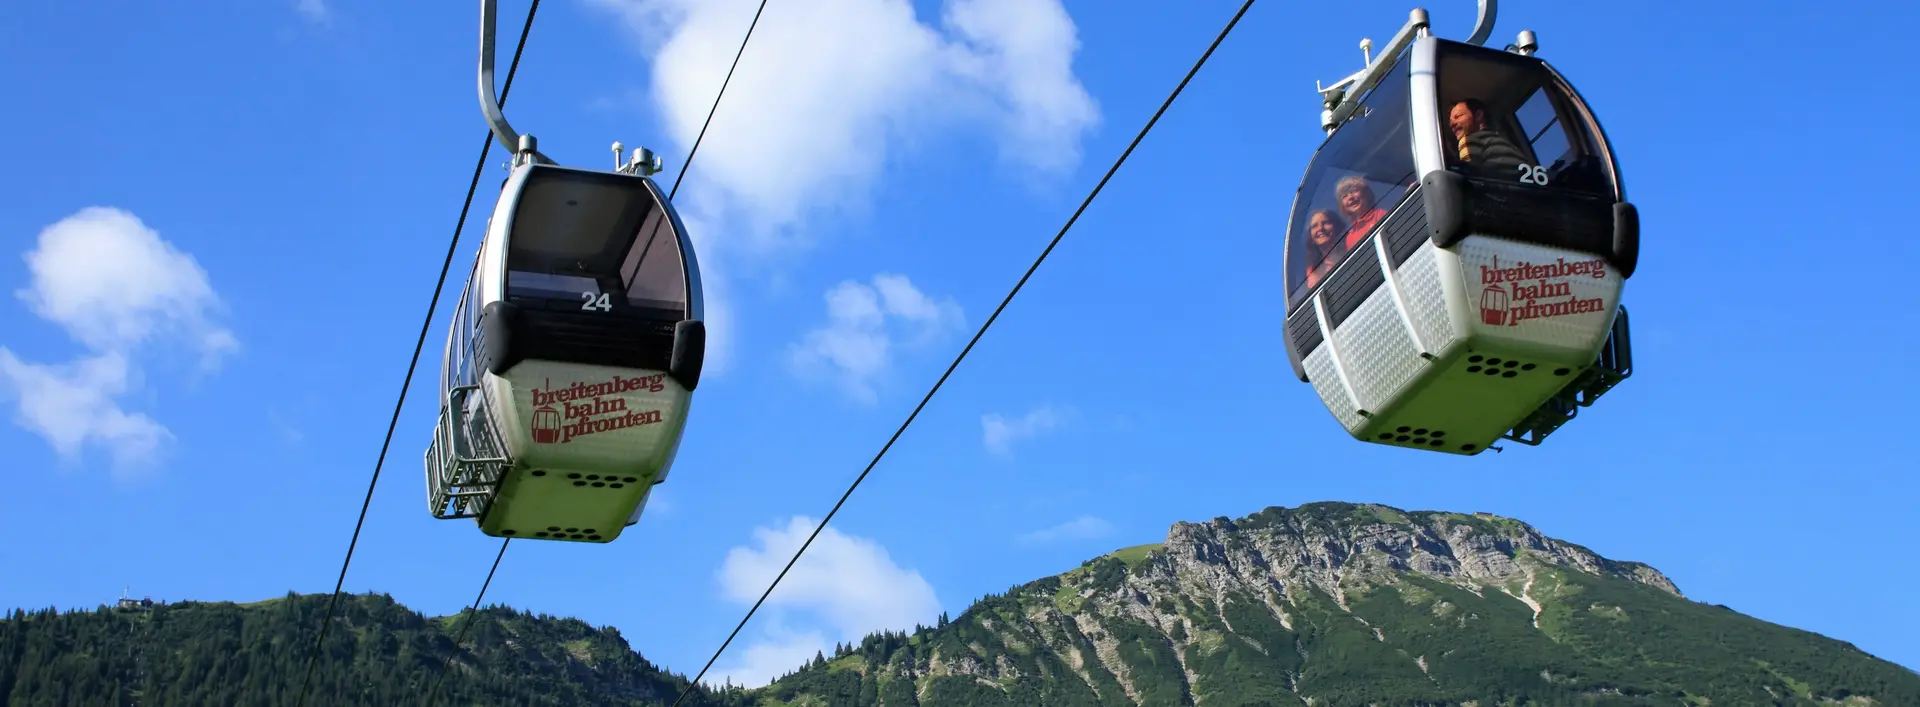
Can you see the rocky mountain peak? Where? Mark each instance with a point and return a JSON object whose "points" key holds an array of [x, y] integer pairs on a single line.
{"points": [[1327, 543], [1347, 604]]}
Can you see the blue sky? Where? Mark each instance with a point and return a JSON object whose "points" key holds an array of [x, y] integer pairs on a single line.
{"points": [[209, 436]]}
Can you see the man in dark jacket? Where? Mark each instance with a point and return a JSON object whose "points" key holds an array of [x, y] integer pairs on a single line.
{"points": [[1485, 150]]}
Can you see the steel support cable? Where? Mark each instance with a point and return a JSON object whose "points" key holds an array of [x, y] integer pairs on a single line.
{"points": [[716, 101], [479, 167], [685, 165], [1168, 103], [473, 617]]}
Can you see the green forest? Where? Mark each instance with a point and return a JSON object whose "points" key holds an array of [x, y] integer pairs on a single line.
{"points": [[1327, 604]]}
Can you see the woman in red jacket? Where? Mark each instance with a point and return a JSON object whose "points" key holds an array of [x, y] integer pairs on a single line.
{"points": [[1356, 203]]}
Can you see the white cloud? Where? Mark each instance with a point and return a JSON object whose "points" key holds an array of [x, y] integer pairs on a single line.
{"points": [[314, 11], [847, 583], [1082, 528], [116, 287], [999, 433], [856, 344], [71, 403], [809, 122], [808, 119]]}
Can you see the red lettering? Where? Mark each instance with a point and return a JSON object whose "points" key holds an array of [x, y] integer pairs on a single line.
{"points": [[590, 408], [1528, 284]]}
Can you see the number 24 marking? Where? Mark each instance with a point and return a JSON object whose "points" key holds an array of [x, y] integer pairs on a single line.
{"points": [[1533, 174], [599, 302]]}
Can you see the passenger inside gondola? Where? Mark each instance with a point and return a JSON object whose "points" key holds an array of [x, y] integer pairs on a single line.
{"points": [[1324, 248], [1357, 203], [1479, 144]]}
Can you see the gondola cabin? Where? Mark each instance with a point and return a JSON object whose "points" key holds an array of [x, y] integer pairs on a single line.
{"points": [[1457, 251], [571, 361]]}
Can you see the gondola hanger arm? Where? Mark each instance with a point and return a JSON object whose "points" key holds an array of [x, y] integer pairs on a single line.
{"points": [[520, 146]]}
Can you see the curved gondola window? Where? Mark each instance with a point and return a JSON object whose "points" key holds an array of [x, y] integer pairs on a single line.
{"points": [[1508, 118], [594, 242], [654, 274], [1358, 176]]}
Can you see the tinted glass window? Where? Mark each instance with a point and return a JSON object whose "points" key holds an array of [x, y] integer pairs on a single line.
{"points": [[653, 273], [1506, 117], [594, 241], [1359, 175]]}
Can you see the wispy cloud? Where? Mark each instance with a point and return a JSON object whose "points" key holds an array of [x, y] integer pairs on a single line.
{"points": [[999, 433], [1082, 528], [864, 325], [314, 11], [846, 585]]}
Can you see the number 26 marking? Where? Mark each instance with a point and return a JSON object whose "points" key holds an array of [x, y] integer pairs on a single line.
{"points": [[1533, 174], [599, 302]]}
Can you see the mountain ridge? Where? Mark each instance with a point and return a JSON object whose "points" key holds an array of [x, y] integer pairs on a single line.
{"points": [[1326, 603]]}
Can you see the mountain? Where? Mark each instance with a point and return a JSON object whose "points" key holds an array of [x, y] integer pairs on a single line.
{"points": [[1343, 604], [378, 653], [1325, 604]]}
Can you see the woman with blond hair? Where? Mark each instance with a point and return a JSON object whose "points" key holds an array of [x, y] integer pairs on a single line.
{"points": [[1355, 197]]}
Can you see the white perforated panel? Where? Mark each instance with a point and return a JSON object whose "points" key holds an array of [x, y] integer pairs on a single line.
{"points": [[1326, 383], [1420, 284], [1531, 294], [1380, 357]]}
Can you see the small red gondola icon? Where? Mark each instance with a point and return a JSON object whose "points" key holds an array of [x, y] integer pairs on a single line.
{"points": [[546, 425], [1493, 305]]}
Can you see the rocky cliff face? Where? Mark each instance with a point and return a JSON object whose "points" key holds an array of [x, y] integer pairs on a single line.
{"points": [[1333, 604]]}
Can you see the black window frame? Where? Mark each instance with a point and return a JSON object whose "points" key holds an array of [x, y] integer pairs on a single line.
{"points": [[1372, 124]]}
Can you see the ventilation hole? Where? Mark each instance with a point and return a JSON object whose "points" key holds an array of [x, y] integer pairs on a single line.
{"points": [[1527, 367], [1476, 358], [593, 537], [1386, 435], [573, 530], [1509, 374], [1491, 371], [1404, 428], [540, 534], [1511, 364], [1439, 433], [1420, 432], [554, 528], [1435, 443], [509, 531], [588, 531], [573, 476], [1466, 447], [593, 477], [1493, 362], [1473, 369], [1401, 438], [598, 484], [1561, 371], [579, 483], [616, 484], [539, 472], [630, 479], [1419, 440]]}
